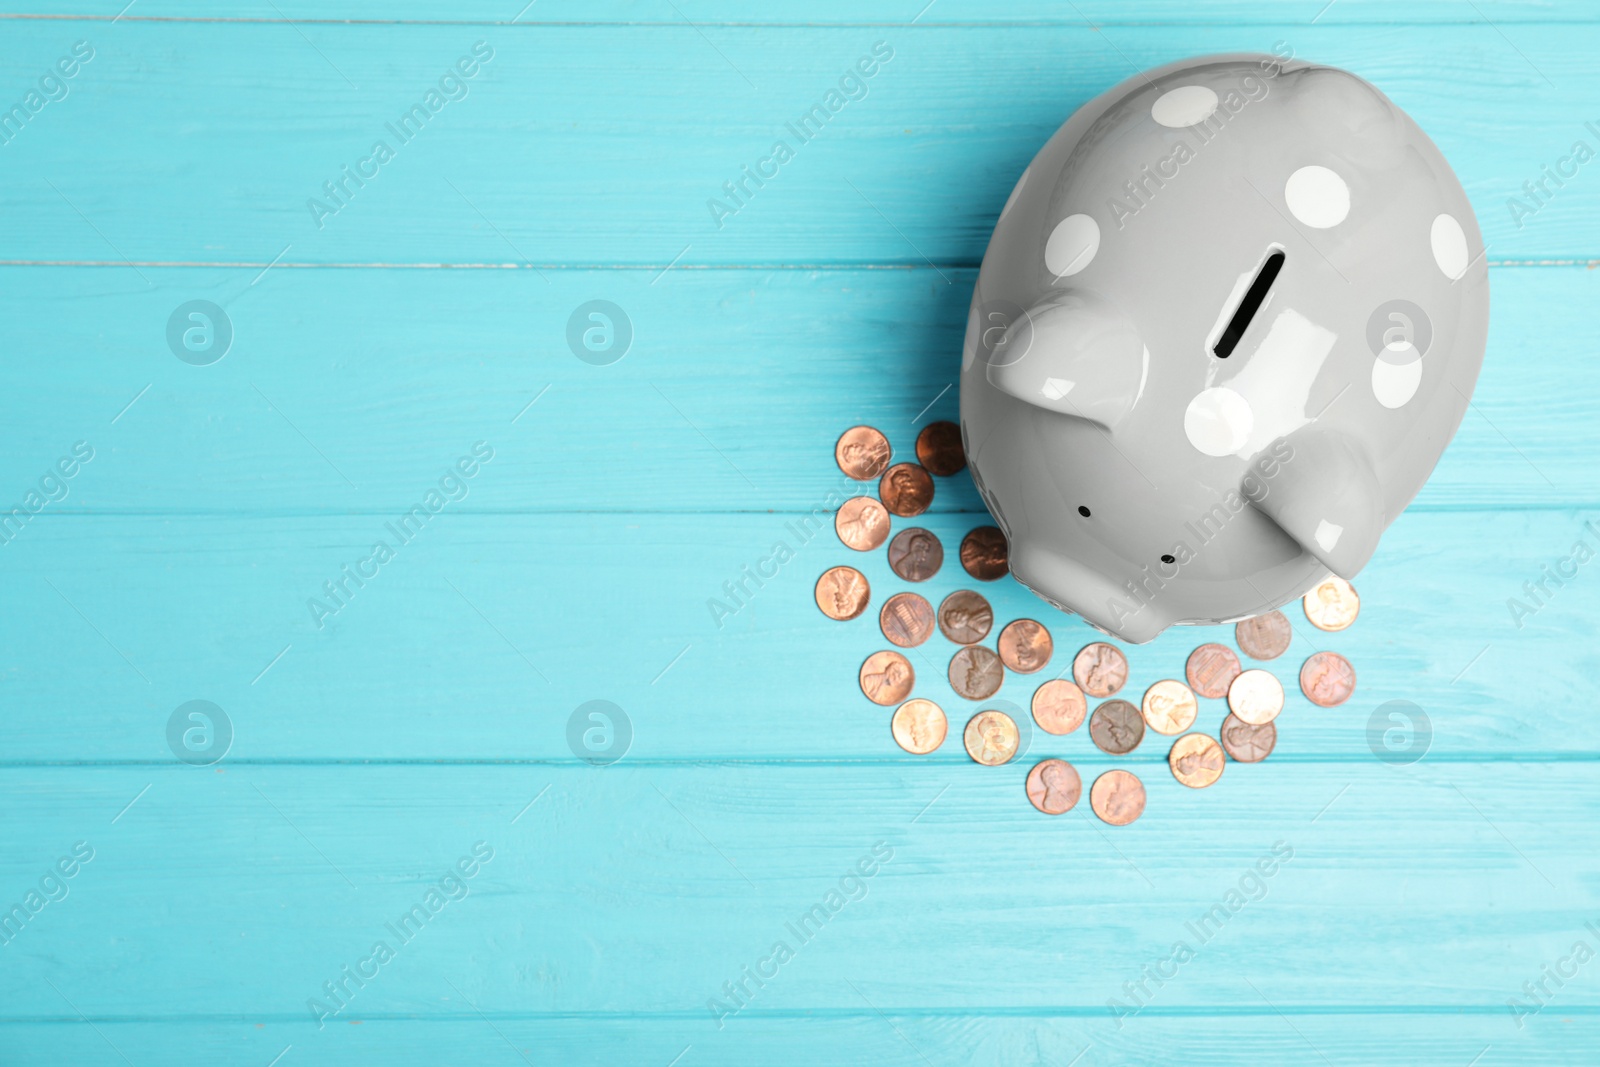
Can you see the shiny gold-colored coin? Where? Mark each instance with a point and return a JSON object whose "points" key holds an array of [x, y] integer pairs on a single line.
{"points": [[1100, 669], [1327, 679], [1256, 697], [915, 554], [1169, 707], [919, 726], [965, 617], [939, 449], [1054, 786], [843, 593], [1116, 727], [1263, 637], [1025, 646], [887, 678], [906, 620], [1247, 743], [862, 453], [1196, 760], [1117, 797], [862, 523], [976, 673], [984, 554], [1332, 604], [1211, 669], [906, 489], [991, 738], [1059, 707]]}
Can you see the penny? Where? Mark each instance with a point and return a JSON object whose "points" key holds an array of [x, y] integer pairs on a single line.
{"points": [[1059, 707], [1025, 646], [906, 620], [861, 523], [1263, 637], [887, 678], [991, 738], [1116, 727], [919, 726], [1247, 743], [984, 554], [975, 673], [1196, 760], [906, 489], [1100, 669], [842, 593], [939, 448], [1256, 697], [915, 554], [1054, 786], [1332, 604], [1211, 669], [1169, 707], [862, 453], [1327, 679], [965, 617], [1117, 797]]}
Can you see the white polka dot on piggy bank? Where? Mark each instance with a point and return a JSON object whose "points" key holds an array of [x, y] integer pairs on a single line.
{"points": [[1229, 319]]}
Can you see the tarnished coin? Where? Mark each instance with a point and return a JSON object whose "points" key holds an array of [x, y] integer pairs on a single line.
{"points": [[915, 554], [1211, 669], [991, 738], [906, 489], [1059, 707], [1116, 727], [862, 453], [1263, 637], [906, 620], [1247, 743], [939, 448], [965, 617], [1327, 679], [887, 678], [1054, 786], [984, 554], [1169, 707], [1100, 669], [842, 593], [1332, 604], [1256, 696], [1025, 646], [1117, 797], [976, 673], [1196, 760], [919, 726], [862, 523]]}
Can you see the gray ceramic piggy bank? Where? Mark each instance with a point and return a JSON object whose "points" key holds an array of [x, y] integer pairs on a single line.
{"points": [[1229, 319]]}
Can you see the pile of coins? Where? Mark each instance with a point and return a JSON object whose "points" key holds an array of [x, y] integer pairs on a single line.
{"points": [[1099, 670]]}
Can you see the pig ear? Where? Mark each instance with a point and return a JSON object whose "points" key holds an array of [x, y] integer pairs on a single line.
{"points": [[1324, 494], [1073, 353]]}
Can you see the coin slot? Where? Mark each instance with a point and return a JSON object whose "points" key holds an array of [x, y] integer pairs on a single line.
{"points": [[1253, 298]]}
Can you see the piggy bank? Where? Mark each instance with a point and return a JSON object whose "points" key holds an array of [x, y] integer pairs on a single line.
{"points": [[1228, 320]]}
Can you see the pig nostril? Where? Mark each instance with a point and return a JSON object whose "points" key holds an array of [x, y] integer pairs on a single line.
{"points": [[1254, 297]]}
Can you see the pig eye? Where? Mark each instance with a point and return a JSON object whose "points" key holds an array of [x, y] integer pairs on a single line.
{"points": [[1254, 297], [1083, 511], [1169, 558]]}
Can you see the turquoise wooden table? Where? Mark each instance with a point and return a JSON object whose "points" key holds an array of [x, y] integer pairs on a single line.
{"points": [[382, 217]]}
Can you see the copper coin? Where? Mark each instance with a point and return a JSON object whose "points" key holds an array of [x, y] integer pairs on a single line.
{"points": [[842, 593], [984, 554], [1263, 637], [975, 673], [1025, 646], [862, 523], [887, 678], [1256, 696], [1054, 786], [1247, 743], [862, 453], [991, 738], [1332, 604], [1196, 760], [1117, 797], [1211, 669], [1116, 727], [915, 554], [939, 449], [965, 617], [906, 619], [1327, 679], [906, 489], [1169, 707], [1100, 669], [1059, 707], [918, 726]]}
